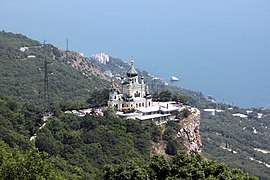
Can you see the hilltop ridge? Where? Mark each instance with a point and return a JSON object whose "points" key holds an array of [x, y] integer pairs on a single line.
{"points": [[71, 76]]}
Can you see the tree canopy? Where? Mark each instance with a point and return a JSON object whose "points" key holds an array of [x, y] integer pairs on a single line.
{"points": [[181, 166]]}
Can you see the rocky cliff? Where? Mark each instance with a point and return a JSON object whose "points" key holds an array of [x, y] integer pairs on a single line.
{"points": [[189, 134], [81, 63]]}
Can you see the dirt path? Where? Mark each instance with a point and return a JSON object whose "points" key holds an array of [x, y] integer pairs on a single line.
{"points": [[45, 120]]}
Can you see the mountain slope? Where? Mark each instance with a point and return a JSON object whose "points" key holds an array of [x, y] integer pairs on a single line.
{"points": [[239, 142], [71, 77]]}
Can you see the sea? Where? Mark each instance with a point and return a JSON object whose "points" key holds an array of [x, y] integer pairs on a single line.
{"points": [[243, 83], [221, 49]]}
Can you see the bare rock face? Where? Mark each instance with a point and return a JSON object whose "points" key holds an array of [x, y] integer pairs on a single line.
{"points": [[81, 63], [189, 134], [158, 148]]}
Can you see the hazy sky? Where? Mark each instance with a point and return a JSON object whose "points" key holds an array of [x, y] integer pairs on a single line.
{"points": [[126, 28], [204, 42]]}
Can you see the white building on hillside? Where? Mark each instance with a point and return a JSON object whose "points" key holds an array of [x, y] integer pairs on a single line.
{"points": [[102, 57], [132, 93], [132, 100]]}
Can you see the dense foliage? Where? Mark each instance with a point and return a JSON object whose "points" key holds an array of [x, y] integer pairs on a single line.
{"points": [[18, 122], [169, 136], [180, 166], [79, 147], [22, 76], [15, 164], [91, 142], [98, 98]]}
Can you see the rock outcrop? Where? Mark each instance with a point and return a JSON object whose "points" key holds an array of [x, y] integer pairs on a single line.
{"points": [[158, 148], [81, 63], [189, 134]]}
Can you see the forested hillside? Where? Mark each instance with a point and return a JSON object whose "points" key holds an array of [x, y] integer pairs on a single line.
{"points": [[180, 166], [19, 121], [15, 164], [240, 142], [22, 71], [73, 147], [91, 142], [19, 157]]}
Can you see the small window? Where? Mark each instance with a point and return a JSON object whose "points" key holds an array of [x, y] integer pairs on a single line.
{"points": [[137, 94]]}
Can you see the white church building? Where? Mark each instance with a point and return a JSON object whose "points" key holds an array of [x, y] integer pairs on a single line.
{"points": [[133, 94]]}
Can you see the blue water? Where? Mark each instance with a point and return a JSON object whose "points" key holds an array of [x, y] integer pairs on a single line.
{"points": [[236, 75], [218, 47]]}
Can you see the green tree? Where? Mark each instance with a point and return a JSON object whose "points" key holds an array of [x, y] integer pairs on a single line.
{"points": [[156, 133], [165, 95], [160, 168], [181, 166], [98, 98], [180, 98], [128, 170], [172, 147], [29, 165]]}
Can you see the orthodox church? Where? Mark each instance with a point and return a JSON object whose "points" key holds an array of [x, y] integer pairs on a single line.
{"points": [[133, 92]]}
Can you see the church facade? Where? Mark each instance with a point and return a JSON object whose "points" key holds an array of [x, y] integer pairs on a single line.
{"points": [[132, 93]]}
